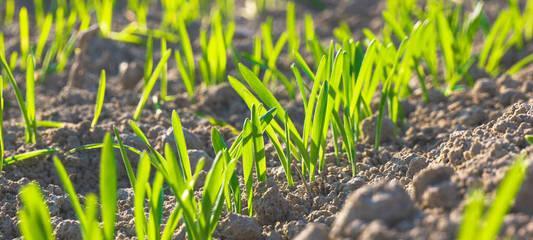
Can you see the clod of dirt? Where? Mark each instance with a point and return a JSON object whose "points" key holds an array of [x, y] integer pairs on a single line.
{"points": [[472, 116], [377, 230], [416, 165], [130, 74], [68, 229], [196, 155], [510, 96], [484, 88], [368, 127], [270, 206], [433, 188], [367, 204], [507, 82], [193, 141], [239, 227], [313, 231], [436, 96]]}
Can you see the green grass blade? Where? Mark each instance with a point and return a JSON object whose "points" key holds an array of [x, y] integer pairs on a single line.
{"points": [[27, 155], [248, 164], [2, 146], [35, 222], [108, 187], [471, 216], [30, 99], [68, 187], [505, 195], [43, 36], [18, 92], [99, 99], [125, 159], [24, 34], [150, 85], [143, 175], [181, 145], [258, 145]]}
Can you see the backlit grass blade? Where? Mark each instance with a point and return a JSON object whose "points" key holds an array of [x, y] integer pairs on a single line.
{"points": [[471, 216], [149, 59], [108, 188], [91, 216], [318, 133], [24, 34], [92, 146], [150, 85], [18, 93], [27, 155], [520, 64], [2, 146], [181, 145], [505, 195], [30, 99], [99, 99], [43, 36], [217, 140], [248, 164], [189, 68], [258, 145], [68, 187], [125, 159], [35, 222], [143, 175], [164, 78], [10, 11], [292, 31]]}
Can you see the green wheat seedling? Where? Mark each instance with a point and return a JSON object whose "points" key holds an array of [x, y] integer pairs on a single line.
{"points": [[9, 12], [24, 35], [200, 217], [150, 84], [104, 14], [485, 223], [99, 99], [308, 149], [215, 50], [2, 146], [28, 155], [43, 36], [292, 30], [504, 34], [312, 43], [185, 62], [30, 128], [253, 155], [30, 99], [89, 224], [35, 222], [149, 59]]}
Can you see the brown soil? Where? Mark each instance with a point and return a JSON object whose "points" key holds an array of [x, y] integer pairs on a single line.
{"points": [[414, 187]]}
